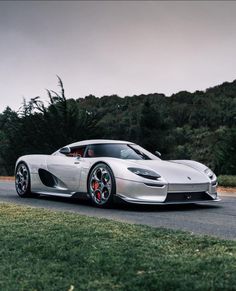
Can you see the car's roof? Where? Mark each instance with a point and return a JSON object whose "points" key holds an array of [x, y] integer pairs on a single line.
{"points": [[98, 141]]}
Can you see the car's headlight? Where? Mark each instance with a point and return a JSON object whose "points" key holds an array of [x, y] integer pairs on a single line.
{"points": [[209, 173], [148, 174]]}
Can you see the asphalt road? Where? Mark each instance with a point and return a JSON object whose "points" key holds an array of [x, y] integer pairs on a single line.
{"points": [[216, 219]]}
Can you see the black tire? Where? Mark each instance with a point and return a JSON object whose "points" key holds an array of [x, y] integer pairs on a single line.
{"points": [[101, 186], [22, 180]]}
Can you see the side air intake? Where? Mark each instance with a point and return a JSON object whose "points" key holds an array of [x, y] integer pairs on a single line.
{"points": [[47, 178]]}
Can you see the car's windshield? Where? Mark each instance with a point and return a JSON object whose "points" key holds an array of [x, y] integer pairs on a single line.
{"points": [[120, 151]]}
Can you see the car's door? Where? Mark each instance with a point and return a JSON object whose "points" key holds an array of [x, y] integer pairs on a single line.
{"points": [[67, 169]]}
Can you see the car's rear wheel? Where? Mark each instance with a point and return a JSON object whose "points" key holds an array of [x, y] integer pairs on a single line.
{"points": [[101, 185], [22, 180]]}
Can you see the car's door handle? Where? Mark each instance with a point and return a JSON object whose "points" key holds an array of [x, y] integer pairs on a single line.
{"points": [[76, 163]]}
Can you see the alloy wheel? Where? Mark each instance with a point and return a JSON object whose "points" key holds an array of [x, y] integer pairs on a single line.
{"points": [[22, 179], [100, 184]]}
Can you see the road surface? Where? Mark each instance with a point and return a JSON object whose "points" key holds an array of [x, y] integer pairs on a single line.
{"points": [[216, 219]]}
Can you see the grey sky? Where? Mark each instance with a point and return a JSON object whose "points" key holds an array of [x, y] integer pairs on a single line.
{"points": [[122, 48]]}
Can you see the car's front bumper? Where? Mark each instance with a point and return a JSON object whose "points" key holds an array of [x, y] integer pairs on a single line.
{"points": [[155, 192]]}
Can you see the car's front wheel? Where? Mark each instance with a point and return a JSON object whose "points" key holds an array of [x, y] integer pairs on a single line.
{"points": [[101, 185], [22, 180]]}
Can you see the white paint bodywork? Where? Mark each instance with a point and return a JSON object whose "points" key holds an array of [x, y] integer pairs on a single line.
{"points": [[181, 176]]}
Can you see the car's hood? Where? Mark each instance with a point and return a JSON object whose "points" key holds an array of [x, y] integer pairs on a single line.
{"points": [[172, 172]]}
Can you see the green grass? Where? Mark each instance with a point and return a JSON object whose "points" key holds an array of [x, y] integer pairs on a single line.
{"points": [[227, 181], [45, 250]]}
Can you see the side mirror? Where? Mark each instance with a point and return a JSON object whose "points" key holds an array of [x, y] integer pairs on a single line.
{"points": [[158, 154], [65, 151]]}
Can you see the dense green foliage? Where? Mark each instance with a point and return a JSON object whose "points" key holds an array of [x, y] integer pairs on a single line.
{"points": [[227, 181], [46, 250], [198, 126]]}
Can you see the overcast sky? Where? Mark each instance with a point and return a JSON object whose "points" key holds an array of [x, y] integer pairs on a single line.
{"points": [[122, 48]]}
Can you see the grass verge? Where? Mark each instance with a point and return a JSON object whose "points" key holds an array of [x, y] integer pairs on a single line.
{"points": [[45, 250]]}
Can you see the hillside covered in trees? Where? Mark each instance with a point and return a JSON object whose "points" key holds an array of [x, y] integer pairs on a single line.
{"points": [[199, 126]]}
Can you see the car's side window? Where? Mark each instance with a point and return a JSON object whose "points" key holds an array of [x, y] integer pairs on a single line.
{"points": [[90, 152], [76, 152]]}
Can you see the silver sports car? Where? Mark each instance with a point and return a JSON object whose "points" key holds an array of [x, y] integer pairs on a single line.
{"points": [[105, 170]]}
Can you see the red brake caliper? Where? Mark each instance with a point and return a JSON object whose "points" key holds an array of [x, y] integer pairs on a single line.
{"points": [[98, 195], [95, 186]]}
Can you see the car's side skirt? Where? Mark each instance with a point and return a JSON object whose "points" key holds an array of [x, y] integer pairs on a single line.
{"points": [[69, 195], [47, 193]]}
